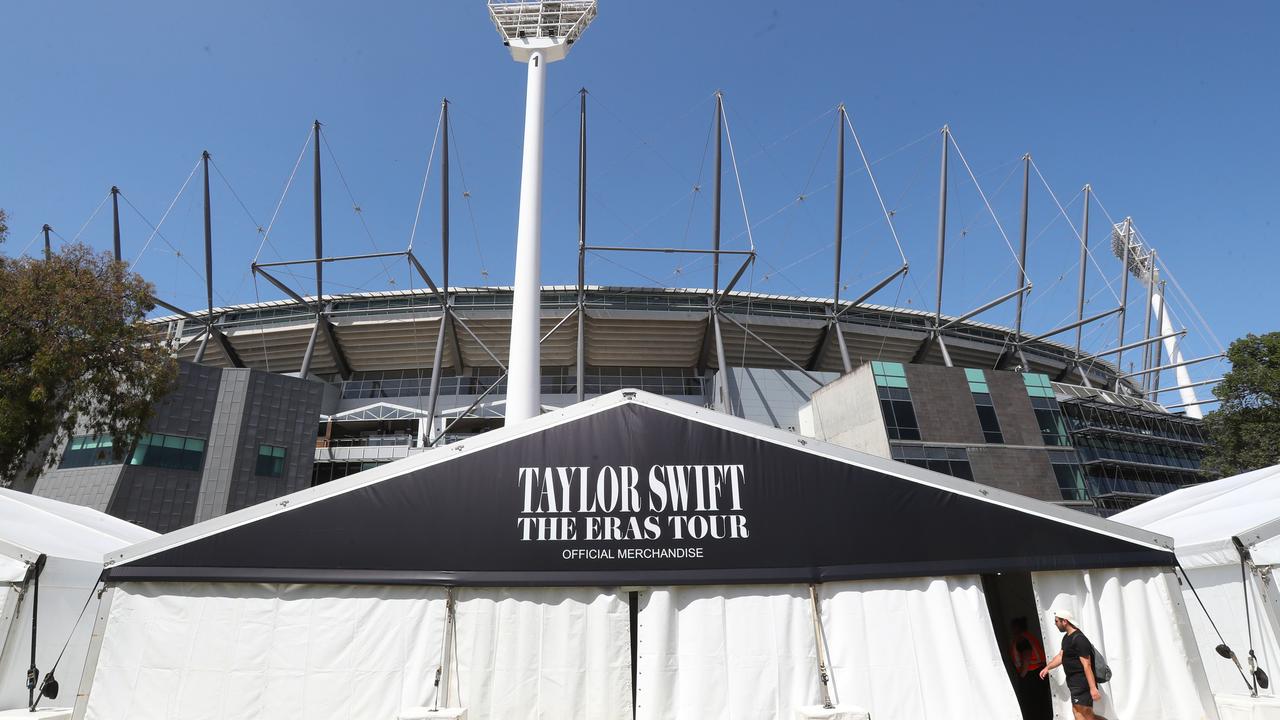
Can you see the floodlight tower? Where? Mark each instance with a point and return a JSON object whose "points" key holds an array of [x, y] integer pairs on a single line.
{"points": [[1142, 265], [538, 33]]}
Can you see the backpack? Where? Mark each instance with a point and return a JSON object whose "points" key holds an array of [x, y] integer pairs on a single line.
{"points": [[1101, 670]]}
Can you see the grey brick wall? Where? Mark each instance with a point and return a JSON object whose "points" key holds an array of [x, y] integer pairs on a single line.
{"points": [[944, 405], [162, 499], [281, 411], [91, 486], [1013, 406], [1025, 471]]}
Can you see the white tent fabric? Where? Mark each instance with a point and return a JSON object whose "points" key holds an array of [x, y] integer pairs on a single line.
{"points": [[74, 540], [1203, 518], [63, 530], [196, 651], [739, 651], [907, 649], [916, 648], [1135, 618], [543, 653]]}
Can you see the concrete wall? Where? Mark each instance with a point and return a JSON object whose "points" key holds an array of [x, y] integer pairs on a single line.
{"points": [[847, 412]]}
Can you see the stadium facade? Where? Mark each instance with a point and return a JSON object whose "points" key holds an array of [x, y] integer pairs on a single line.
{"points": [[252, 429]]}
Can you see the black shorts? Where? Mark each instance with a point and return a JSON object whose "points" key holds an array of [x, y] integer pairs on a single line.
{"points": [[1079, 689]]}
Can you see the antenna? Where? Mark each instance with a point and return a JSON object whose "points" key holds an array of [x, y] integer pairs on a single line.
{"points": [[537, 33]]}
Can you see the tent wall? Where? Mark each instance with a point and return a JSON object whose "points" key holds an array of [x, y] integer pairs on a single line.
{"points": [[65, 586], [1220, 590], [910, 648], [543, 652], [192, 651], [1136, 618], [725, 651], [917, 648]]}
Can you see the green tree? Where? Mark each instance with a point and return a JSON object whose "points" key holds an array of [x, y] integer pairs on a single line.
{"points": [[1244, 432], [74, 356]]}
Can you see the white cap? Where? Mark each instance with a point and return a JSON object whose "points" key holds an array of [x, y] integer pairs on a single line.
{"points": [[1065, 615]]}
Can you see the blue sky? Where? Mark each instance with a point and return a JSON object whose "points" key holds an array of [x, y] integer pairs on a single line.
{"points": [[1167, 109]]}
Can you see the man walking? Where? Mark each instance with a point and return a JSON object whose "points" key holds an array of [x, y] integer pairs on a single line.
{"points": [[1076, 658]]}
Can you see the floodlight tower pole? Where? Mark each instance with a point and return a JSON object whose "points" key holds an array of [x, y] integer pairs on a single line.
{"points": [[1124, 292], [1149, 310], [1159, 351], [1186, 389], [524, 366], [115, 222], [537, 33]]}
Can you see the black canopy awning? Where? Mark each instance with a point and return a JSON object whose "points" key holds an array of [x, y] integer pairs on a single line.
{"points": [[635, 489]]}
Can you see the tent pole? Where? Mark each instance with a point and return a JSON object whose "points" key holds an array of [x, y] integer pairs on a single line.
{"points": [[95, 648], [821, 646]]}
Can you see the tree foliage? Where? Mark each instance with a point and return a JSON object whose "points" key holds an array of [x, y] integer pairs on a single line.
{"points": [[1244, 432], [74, 355]]}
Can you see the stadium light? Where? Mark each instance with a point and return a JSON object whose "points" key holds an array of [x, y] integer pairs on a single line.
{"points": [[537, 33], [1140, 261]]}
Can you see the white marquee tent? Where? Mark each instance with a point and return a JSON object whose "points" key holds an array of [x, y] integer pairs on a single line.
{"points": [[1220, 529], [630, 556], [74, 540]]}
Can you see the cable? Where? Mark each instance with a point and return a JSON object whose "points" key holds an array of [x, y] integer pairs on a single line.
{"points": [[155, 229], [355, 206], [426, 176], [466, 195], [733, 159], [91, 217], [280, 203], [977, 185], [875, 186]]}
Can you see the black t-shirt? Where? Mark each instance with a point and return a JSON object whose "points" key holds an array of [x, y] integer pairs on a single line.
{"points": [[1075, 646]]}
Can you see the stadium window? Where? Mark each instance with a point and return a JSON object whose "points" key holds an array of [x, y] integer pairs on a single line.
{"points": [[895, 401], [89, 451], [951, 461], [169, 451], [986, 409], [1053, 427], [1069, 475], [1038, 385], [270, 461]]}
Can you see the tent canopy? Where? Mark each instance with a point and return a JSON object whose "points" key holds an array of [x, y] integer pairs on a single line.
{"points": [[633, 488], [1204, 518], [31, 526]]}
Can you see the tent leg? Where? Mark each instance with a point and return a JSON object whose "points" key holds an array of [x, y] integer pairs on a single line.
{"points": [[91, 655]]}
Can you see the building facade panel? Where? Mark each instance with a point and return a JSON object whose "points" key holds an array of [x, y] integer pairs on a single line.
{"points": [[943, 404]]}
